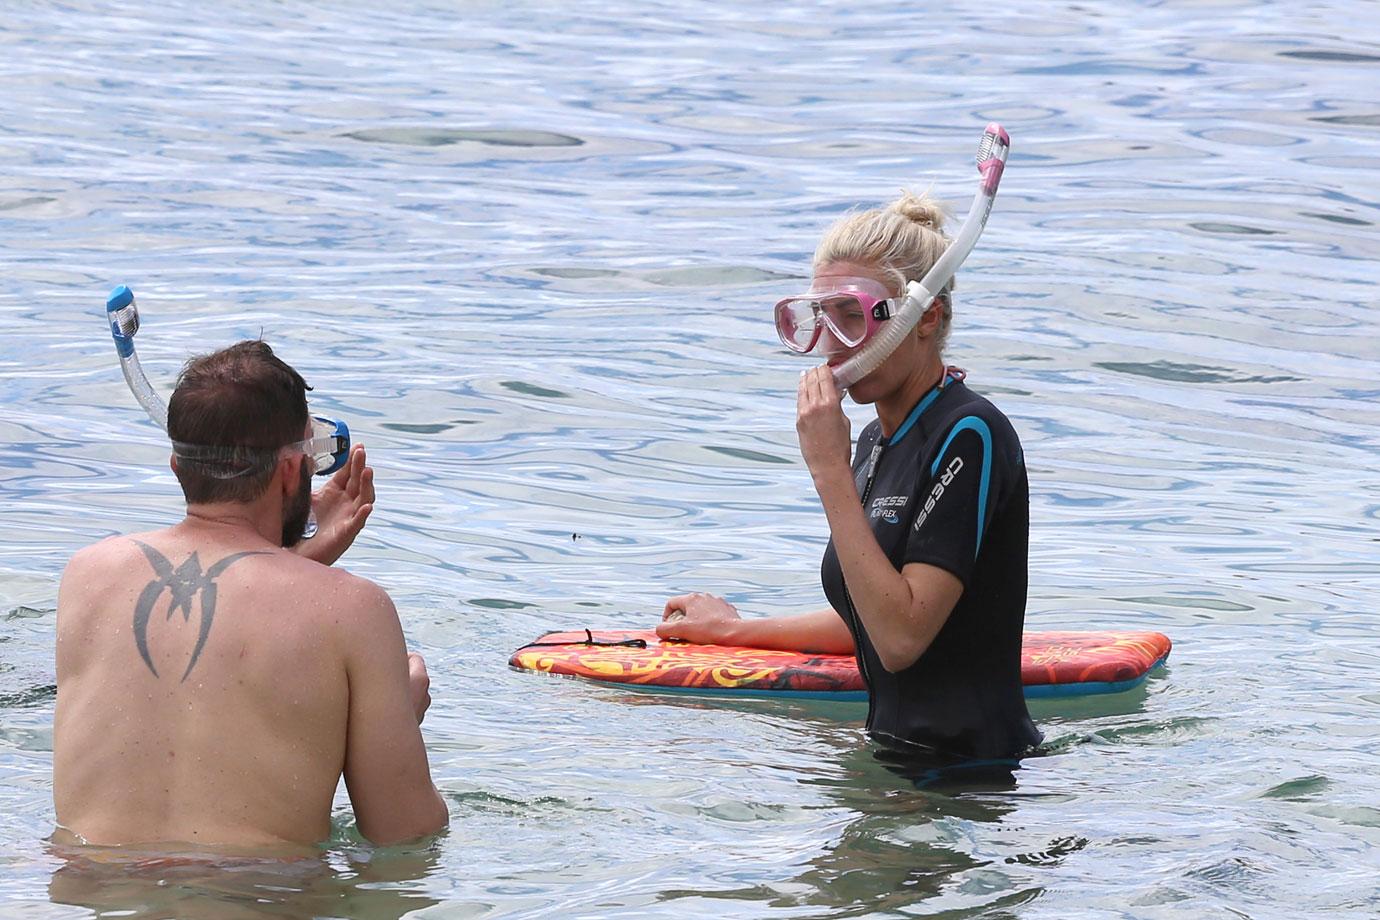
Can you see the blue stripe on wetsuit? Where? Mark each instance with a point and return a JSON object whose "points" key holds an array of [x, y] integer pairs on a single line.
{"points": [[914, 416], [973, 423], [919, 410]]}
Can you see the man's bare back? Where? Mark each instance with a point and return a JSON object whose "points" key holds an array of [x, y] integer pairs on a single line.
{"points": [[214, 686]]}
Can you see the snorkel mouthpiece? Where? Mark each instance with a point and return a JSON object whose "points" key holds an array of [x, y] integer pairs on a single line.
{"points": [[991, 161]]}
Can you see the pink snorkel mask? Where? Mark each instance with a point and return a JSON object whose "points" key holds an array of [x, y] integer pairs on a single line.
{"points": [[851, 309]]}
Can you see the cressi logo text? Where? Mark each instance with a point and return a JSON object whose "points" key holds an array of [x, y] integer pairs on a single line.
{"points": [[937, 492]]}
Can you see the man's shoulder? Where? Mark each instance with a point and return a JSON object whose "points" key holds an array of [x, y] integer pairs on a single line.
{"points": [[359, 616], [352, 604], [354, 591], [112, 554]]}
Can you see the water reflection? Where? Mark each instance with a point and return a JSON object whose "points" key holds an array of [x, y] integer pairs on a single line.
{"points": [[903, 843], [207, 884]]}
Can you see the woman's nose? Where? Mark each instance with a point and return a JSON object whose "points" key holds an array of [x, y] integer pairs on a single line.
{"points": [[829, 343]]}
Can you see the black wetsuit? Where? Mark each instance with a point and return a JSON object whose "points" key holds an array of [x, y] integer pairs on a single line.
{"points": [[949, 489]]}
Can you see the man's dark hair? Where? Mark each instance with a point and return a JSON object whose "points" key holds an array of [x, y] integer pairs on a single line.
{"points": [[241, 397]]}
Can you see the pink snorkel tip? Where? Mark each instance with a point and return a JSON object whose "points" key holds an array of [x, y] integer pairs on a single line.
{"points": [[994, 140], [991, 175]]}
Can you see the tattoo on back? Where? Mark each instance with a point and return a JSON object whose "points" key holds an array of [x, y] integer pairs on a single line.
{"points": [[184, 583]]}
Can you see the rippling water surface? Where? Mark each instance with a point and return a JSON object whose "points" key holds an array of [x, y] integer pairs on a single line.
{"points": [[528, 251]]}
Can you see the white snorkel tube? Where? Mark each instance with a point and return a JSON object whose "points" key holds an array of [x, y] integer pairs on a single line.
{"points": [[991, 160]]}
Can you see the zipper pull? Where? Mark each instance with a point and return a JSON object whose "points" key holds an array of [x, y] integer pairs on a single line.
{"points": [[865, 483]]}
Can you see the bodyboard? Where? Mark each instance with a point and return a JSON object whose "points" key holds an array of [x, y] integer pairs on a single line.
{"points": [[1053, 664]]}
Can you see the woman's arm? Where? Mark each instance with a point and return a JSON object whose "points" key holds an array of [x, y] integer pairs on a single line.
{"points": [[708, 620], [901, 611]]}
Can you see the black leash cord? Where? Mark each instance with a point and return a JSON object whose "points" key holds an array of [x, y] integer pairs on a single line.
{"points": [[590, 640]]}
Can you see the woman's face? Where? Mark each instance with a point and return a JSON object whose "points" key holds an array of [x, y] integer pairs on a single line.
{"points": [[898, 366]]}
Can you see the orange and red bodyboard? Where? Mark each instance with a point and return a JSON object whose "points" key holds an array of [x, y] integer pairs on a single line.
{"points": [[1052, 664]]}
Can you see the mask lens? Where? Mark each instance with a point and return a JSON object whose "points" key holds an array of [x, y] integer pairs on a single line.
{"points": [[337, 436], [797, 323], [846, 318]]}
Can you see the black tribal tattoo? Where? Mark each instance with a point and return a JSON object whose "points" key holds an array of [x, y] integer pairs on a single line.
{"points": [[185, 583]]}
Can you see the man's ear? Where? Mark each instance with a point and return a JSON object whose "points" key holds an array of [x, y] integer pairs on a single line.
{"points": [[290, 469], [172, 463]]}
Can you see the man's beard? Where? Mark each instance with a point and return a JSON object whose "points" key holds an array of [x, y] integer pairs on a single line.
{"points": [[296, 514]]}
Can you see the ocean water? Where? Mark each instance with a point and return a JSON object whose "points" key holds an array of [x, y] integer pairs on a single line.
{"points": [[528, 251]]}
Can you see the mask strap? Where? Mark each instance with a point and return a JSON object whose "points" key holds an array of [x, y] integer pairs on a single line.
{"points": [[219, 462]]}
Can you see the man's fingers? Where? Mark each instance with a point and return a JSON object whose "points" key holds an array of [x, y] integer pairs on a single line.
{"points": [[356, 466], [416, 666], [361, 515], [341, 477]]}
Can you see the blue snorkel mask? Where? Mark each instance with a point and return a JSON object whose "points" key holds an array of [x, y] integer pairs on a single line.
{"points": [[329, 445]]}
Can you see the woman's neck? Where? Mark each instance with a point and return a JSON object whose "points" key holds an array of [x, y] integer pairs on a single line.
{"points": [[893, 408]]}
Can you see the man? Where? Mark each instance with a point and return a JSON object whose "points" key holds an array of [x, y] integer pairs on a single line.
{"points": [[213, 684]]}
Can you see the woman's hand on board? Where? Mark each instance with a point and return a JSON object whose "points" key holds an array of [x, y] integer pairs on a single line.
{"points": [[703, 619], [821, 424]]}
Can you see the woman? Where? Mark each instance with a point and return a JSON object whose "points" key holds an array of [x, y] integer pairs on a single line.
{"points": [[926, 566]]}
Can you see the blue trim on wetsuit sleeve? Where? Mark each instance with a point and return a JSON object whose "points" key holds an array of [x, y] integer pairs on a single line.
{"points": [[973, 423]]}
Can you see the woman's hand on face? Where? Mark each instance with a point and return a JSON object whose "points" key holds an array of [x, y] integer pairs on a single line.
{"points": [[699, 618], [821, 424]]}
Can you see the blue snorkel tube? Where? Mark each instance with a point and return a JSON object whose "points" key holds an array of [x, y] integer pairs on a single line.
{"points": [[123, 316], [332, 436]]}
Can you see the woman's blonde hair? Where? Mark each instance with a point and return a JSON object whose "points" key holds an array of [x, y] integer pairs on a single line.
{"points": [[903, 240]]}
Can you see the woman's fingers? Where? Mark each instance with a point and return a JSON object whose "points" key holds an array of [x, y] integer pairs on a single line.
{"points": [[828, 388], [675, 605]]}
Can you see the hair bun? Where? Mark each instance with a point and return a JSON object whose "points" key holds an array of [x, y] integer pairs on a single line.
{"points": [[920, 209]]}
